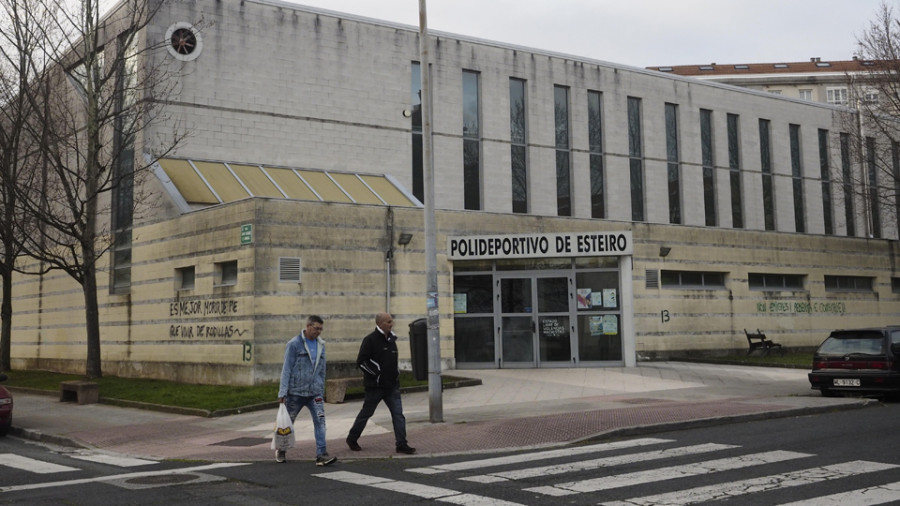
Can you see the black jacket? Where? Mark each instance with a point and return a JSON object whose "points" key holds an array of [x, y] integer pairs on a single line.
{"points": [[378, 360]]}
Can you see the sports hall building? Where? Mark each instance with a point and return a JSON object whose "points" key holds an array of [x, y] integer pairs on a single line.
{"points": [[588, 213]]}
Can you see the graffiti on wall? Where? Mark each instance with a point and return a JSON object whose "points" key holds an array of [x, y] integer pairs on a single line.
{"points": [[201, 310], [831, 308]]}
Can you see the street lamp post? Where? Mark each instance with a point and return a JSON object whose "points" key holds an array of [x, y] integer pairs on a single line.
{"points": [[435, 401]]}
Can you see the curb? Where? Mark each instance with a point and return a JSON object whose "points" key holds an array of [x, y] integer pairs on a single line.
{"points": [[639, 430]]}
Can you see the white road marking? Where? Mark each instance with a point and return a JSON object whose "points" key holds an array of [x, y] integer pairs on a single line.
{"points": [[666, 473], [531, 457], [127, 476], [869, 496], [763, 484], [584, 465], [32, 465], [415, 489], [113, 460]]}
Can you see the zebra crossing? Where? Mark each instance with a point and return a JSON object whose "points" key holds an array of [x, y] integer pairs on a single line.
{"points": [[125, 470], [39, 466], [598, 481]]}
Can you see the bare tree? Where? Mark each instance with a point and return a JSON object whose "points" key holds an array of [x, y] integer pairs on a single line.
{"points": [[20, 56], [98, 90], [873, 123]]}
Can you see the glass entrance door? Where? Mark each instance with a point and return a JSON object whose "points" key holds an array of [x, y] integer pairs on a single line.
{"points": [[535, 321], [517, 323], [555, 331]]}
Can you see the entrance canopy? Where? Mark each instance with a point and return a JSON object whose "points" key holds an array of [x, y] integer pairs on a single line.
{"points": [[196, 184]]}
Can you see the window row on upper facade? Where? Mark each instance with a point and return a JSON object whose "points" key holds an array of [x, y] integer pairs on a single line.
{"points": [[716, 280], [734, 200]]}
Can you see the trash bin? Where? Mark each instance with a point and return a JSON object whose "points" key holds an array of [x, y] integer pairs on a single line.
{"points": [[418, 348]]}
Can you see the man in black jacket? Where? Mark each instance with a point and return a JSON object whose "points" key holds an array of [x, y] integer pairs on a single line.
{"points": [[378, 360]]}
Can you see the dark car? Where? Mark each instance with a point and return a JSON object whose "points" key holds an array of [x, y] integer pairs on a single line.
{"points": [[6, 405], [864, 361]]}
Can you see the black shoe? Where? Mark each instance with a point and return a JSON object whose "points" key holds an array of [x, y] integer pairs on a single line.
{"points": [[353, 446], [406, 449], [325, 460]]}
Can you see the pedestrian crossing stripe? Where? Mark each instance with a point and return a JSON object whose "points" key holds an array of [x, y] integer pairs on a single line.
{"points": [[415, 489], [32, 465], [542, 455], [667, 473], [869, 496], [586, 465], [119, 477], [113, 460], [763, 484]]}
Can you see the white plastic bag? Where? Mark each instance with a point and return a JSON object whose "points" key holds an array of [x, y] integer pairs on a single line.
{"points": [[283, 437]]}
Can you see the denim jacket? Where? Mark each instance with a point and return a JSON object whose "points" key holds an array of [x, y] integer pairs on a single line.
{"points": [[301, 376]]}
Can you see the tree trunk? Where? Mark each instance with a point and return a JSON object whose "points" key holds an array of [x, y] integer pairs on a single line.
{"points": [[6, 325], [92, 323]]}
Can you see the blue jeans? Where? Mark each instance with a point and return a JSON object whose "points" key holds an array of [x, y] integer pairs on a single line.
{"points": [[316, 407], [391, 398]]}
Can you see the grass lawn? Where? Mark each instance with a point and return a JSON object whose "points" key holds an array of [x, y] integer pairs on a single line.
{"points": [[169, 393]]}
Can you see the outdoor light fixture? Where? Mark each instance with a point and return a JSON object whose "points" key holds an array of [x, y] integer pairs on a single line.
{"points": [[664, 251], [407, 113], [404, 239]]}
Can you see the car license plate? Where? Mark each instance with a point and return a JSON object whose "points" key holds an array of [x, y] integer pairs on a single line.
{"points": [[846, 382]]}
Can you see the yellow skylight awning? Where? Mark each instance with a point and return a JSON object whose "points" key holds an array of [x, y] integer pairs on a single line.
{"points": [[256, 180], [291, 184], [385, 189], [223, 182], [352, 184], [324, 186], [195, 184], [189, 183]]}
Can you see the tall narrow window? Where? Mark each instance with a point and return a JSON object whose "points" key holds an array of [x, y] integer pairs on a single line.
{"points": [[768, 184], [872, 175], [709, 167], [518, 139], [734, 170], [595, 137], [123, 185], [849, 212], [636, 158], [415, 86], [825, 171], [563, 152], [895, 167], [797, 178], [673, 164], [471, 141]]}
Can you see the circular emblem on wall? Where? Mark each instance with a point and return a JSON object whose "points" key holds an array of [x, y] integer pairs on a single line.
{"points": [[184, 41]]}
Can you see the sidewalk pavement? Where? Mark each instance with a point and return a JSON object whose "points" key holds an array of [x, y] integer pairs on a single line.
{"points": [[511, 409]]}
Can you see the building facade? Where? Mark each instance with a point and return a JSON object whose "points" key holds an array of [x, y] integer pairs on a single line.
{"points": [[588, 213], [814, 80]]}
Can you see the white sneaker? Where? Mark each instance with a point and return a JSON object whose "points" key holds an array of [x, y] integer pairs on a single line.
{"points": [[325, 460], [280, 456]]}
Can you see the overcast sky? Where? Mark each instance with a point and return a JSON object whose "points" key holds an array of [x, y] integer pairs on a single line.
{"points": [[645, 33]]}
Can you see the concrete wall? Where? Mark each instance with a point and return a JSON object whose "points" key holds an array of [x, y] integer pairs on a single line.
{"points": [[202, 335]]}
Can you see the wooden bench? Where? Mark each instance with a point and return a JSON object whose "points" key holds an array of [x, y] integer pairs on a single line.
{"points": [[82, 392], [336, 389], [759, 341]]}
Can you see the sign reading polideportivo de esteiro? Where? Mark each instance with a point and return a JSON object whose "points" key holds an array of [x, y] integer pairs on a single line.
{"points": [[579, 244]]}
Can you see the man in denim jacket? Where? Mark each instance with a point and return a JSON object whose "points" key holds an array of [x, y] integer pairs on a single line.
{"points": [[303, 384]]}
